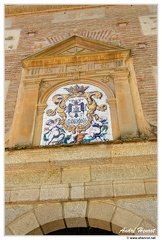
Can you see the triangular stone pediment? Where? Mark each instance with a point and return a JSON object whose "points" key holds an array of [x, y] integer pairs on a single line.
{"points": [[73, 46]]}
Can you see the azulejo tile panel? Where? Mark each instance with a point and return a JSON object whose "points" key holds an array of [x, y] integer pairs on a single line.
{"points": [[76, 113]]}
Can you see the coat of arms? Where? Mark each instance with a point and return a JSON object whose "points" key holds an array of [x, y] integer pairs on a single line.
{"points": [[75, 117]]}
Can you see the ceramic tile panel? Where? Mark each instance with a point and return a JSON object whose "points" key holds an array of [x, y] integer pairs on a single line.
{"points": [[76, 113]]}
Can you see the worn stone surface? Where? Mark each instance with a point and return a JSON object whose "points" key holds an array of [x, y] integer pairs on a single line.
{"points": [[24, 194], [149, 24], [53, 226], [145, 207], [77, 191], [84, 154], [24, 224], [70, 175], [75, 213], [12, 39], [124, 219], [100, 214], [48, 212], [109, 172], [24, 178], [36, 231], [12, 212], [127, 188], [8, 231], [79, 153], [49, 216], [152, 171], [98, 190], [153, 8], [151, 186], [145, 228], [137, 149], [54, 192]]}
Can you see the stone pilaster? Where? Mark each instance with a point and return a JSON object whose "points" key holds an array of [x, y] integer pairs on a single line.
{"points": [[25, 129], [125, 110], [38, 124]]}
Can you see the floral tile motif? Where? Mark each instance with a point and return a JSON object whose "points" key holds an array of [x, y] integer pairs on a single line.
{"points": [[76, 114]]}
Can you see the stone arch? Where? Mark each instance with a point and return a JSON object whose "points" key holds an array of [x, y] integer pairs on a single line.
{"points": [[103, 214], [102, 86]]}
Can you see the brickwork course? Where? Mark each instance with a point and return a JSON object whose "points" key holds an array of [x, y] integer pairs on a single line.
{"points": [[130, 26]]}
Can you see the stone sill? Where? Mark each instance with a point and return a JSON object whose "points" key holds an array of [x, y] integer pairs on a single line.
{"points": [[121, 141]]}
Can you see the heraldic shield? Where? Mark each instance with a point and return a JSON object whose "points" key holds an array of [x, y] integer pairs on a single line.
{"points": [[76, 114]]}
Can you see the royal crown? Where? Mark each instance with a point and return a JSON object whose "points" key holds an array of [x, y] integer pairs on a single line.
{"points": [[77, 89]]}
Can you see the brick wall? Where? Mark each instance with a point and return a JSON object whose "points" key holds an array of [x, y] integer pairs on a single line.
{"points": [[130, 26]]}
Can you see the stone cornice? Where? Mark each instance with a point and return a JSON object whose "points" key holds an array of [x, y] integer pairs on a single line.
{"points": [[52, 61], [14, 10]]}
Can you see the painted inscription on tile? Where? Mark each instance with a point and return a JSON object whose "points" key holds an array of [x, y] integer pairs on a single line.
{"points": [[76, 114]]}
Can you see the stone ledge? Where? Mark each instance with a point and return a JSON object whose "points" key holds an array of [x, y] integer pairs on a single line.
{"points": [[83, 152], [81, 191]]}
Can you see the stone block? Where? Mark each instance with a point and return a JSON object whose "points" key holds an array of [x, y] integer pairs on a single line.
{"points": [[148, 24], [24, 224], [14, 211], [80, 153], [76, 222], [50, 216], [119, 172], [100, 214], [36, 231], [53, 226], [123, 219], [127, 188], [48, 212], [28, 156], [98, 190], [26, 178], [71, 175], [152, 171], [24, 194], [12, 39], [54, 192], [146, 228], [77, 191], [146, 207], [153, 8], [137, 149], [75, 213], [78, 15]]}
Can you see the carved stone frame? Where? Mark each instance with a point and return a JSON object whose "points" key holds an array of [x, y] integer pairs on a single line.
{"points": [[111, 70]]}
